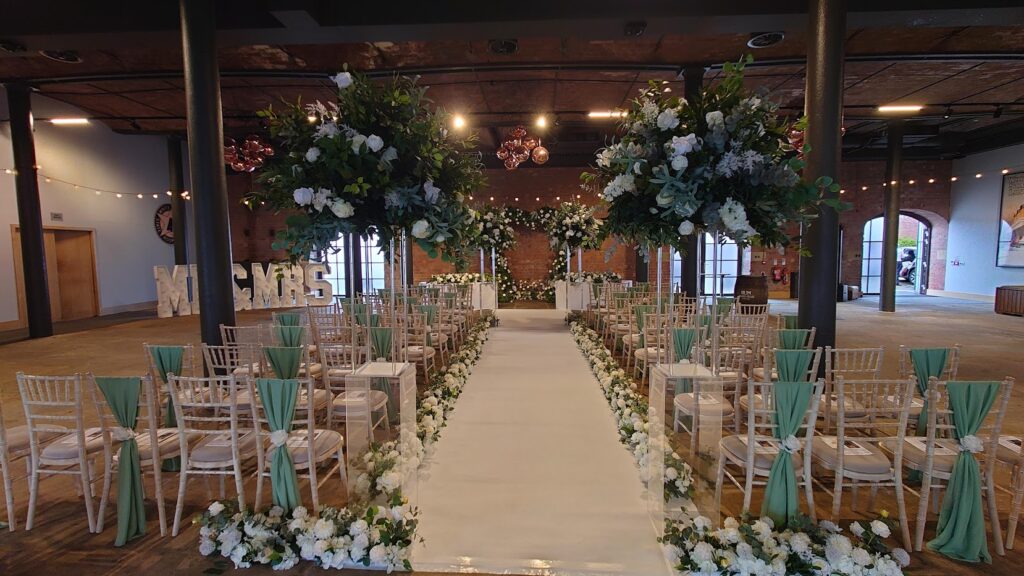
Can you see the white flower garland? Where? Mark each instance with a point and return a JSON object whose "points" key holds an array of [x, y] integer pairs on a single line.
{"points": [[379, 528]]}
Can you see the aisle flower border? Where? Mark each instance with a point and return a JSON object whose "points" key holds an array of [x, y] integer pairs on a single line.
{"points": [[740, 547], [379, 528]]}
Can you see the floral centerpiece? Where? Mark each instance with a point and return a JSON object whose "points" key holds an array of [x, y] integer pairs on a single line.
{"points": [[573, 225], [455, 278], [595, 277], [496, 231], [721, 162], [377, 160]]}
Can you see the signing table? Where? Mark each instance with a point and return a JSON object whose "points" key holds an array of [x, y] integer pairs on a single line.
{"points": [[579, 297]]}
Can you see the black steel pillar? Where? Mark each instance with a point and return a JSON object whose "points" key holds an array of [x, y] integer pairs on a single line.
{"points": [[891, 216], [30, 217], [642, 267], [819, 272], [357, 264], [206, 167], [176, 185], [693, 81]]}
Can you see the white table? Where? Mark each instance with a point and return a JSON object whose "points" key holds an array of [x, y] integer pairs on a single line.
{"points": [[484, 296], [580, 295]]}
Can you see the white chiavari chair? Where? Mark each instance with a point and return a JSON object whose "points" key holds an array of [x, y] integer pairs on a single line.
{"points": [[211, 437], [872, 442], [309, 447], [338, 363], [753, 452], [15, 445], [852, 364], [56, 405]]}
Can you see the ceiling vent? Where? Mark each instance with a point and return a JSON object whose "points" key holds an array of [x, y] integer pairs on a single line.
{"points": [[66, 56], [765, 39], [504, 46]]}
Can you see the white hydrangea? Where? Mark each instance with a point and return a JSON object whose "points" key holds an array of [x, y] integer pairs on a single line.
{"points": [[668, 119], [312, 154]]}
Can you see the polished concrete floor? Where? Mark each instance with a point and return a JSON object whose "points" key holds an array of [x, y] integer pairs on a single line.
{"points": [[991, 349]]}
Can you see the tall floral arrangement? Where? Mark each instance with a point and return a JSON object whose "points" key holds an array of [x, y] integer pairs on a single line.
{"points": [[573, 225], [721, 162], [376, 160]]}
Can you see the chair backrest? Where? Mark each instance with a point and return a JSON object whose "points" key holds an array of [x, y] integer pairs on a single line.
{"points": [[854, 363], [761, 415], [776, 337], [874, 411], [751, 309], [226, 359], [188, 361], [948, 372], [241, 335], [149, 404], [206, 405], [775, 356], [52, 403]]}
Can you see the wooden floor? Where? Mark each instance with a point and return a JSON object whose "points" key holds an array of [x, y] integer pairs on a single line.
{"points": [[61, 544]]}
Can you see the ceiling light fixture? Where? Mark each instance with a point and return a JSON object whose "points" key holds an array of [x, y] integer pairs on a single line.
{"points": [[541, 122], [606, 114], [948, 113], [863, 188], [910, 182], [518, 147], [458, 121], [69, 121], [931, 180], [765, 39], [953, 179], [1006, 170], [899, 108], [978, 175]]}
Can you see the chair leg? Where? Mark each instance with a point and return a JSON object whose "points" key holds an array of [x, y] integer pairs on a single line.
{"points": [[1018, 496], [993, 516], [837, 495], [922, 512], [748, 487], [86, 479], [182, 480], [33, 492], [8, 494], [901, 509], [719, 481], [809, 493], [108, 466], [239, 487], [159, 490], [259, 489], [343, 468]]}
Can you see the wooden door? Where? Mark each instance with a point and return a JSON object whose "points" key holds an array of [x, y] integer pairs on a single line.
{"points": [[70, 274], [76, 274]]}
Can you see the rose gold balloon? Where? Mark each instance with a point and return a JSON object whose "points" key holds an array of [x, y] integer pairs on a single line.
{"points": [[519, 132], [268, 151], [508, 144], [521, 151], [540, 155], [510, 163], [502, 153], [237, 166], [257, 162], [530, 142]]}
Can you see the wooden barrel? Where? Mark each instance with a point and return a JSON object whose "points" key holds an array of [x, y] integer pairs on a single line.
{"points": [[751, 289], [1010, 300]]}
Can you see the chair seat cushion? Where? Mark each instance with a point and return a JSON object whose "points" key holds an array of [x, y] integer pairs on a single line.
{"points": [[217, 447], [914, 455], [876, 462], [737, 448], [252, 369], [1009, 451], [745, 403], [315, 368], [650, 353], [18, 439], [355, 402], [321, 398], [710, 404], [66, 446], [325, 444], [167, 441], [851, 407], [633, 339], [758, 374], [621, 328], [421, 352]]}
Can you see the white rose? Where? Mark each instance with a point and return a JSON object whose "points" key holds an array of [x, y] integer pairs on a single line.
{"points": [[342, 79], [323, 529], [668, 119], [390, 153], [431, 193], [421, 229], [881, 529], [342, 209], [320, 199], [215, 508], [685, 228], [357, 143], [857, 529], [303, 196], [375, 143], [312, 154], [861, 556], [378, 554], [207, 547], [680, 163], [900, 555]]}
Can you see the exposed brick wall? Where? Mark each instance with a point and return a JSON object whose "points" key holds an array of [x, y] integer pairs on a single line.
{"points": [[252, 231]]}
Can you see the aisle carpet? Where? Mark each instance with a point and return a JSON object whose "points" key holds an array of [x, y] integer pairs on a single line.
{"points": [[529, 476]]}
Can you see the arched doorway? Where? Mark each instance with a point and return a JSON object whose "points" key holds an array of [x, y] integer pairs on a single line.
{"points": [[912, 255]]}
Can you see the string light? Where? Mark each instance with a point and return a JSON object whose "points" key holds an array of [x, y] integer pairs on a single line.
{"points": [[910, 181], [931, 180], [863, 188], [978, 175], [1006, 170], [97, 191], [953, 179]]}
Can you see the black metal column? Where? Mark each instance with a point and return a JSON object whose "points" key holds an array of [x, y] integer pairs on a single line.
{"points": [[206, 167], [891, 216], [357, 264], [819, 272], [176, 185], [30, 217], [693, 81]]}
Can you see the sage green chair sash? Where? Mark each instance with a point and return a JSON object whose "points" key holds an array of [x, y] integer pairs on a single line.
{"points": [[781, 500], [122, 395], [640, 311], [169, 360], [792, 338], [793, 365], [724, 306], [682, 342], [290, 336], [961, 529], [790, 321], [284, 361], [928, 363], [278, 397], [430, 316], [288, 318], [380, 342]]}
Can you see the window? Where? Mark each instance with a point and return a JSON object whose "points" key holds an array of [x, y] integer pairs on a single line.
{"points": [[730, 260], [372, 266]]}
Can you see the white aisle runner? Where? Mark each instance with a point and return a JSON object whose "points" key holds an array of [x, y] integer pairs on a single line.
{"points": [[529, 476]]}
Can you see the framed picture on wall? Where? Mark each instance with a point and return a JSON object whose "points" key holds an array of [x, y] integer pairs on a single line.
{"points": [[1010, 251]]}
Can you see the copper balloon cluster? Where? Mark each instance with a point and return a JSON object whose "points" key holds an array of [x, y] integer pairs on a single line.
{"points": [[247, 155], [518, 147]]}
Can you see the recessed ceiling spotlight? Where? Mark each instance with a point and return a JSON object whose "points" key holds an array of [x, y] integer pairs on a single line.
{"points": [[541, 121], [634, 29], [503, 46], [931, 180], [1006, 170], [12, 46], [66, 56], [948, 113], [765, 39], [458, 121]]}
